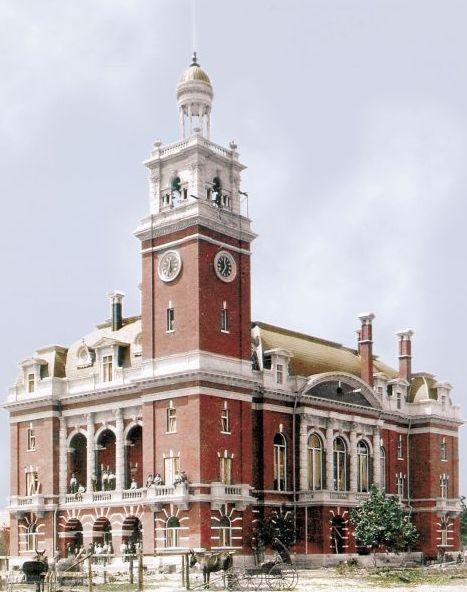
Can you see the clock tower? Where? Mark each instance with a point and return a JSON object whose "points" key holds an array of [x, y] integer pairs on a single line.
{"points": [[195, 246]]}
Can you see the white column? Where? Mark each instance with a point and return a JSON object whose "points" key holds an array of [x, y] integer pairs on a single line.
{"points": [[63, 462], [91, 459], [330, 456], [190, 118], [377, 457], [353, 458], [119, 452], [303, 456]]}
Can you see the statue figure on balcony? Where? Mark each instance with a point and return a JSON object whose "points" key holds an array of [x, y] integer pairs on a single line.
{"points": [[158, 479], [74, 483], [105, 479], [150, 480]]}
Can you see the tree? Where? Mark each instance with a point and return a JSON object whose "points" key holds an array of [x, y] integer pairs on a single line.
{"points": [[4, 540], [463, 521], [278, 525], [381, 521]]}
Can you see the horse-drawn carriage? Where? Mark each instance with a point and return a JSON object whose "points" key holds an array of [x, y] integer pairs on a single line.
{"points": [[35, 572], [278, 574]]}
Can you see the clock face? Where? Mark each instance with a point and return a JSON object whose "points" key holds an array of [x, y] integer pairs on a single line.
{"points": [[170, 265], [225, 266]]}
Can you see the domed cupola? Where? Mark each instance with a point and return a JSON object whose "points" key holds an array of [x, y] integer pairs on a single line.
{"points": [[194, 96]]}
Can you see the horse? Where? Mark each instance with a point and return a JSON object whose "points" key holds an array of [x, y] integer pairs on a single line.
{"points": [[35, 570], [222, 561]]}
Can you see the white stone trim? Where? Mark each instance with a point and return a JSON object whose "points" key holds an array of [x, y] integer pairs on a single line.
{"points": [[195, 236]]}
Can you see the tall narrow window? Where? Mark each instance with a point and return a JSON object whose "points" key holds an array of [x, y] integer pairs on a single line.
{"points": [[443, 485], [400, 484], [225, 420], [315, 462], [399, 399], [280, 462], [363, 475], [340, 465], [170, 319], [172, 532], [171, 468], [31, 537], [31, 382], [171, 418], [279, 373], [225, 467], [107, 368], [444, 532], [31, 437], [400, 450], [444, 449], [225, 319], [382, 468], [225, 532], [32, 482]]}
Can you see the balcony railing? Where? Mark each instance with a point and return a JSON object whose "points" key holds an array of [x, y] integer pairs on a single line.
{"points": [[33, 503], [330, 497]]}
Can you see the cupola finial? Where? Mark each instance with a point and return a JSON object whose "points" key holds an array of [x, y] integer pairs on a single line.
{"points": [[194, 60]]}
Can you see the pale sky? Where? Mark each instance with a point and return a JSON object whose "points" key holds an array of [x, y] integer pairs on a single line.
{"points": [[350, 115]]}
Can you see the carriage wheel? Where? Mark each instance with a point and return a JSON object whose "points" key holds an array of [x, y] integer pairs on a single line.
{"points": [[248, 581], [232, 579], [282, 576]]}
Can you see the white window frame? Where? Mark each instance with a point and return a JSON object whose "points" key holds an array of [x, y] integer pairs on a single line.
{"points": [[443, 486], [172, 533], [444, 449], [225, 325], [170, 320], [340, 477], [280, 373], [400, 484], [31, 378], [382, 468], [399, 400], [315, 463], [171, 418], [31, 537], [280, 463], [171, 468], [225, 532], [107, 368], [400, 448], [225, 420], [363, 474], [31, 437], [225, 467]]}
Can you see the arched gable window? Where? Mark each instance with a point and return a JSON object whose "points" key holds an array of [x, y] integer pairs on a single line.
{"points": [[172, 532], [340, 464], [280, 462], [363, 464], [315, 462]]}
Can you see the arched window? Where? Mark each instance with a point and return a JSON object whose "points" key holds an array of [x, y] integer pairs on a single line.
{"points": [[382, 469], [280, 462], [225, 532], [172, 532], [31, 537], [363, 461], [340, 465], [315, 462]]}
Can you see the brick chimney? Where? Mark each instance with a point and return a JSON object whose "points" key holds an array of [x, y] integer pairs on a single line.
{"points": [[405, 354], [117, 315], [365, 347]]}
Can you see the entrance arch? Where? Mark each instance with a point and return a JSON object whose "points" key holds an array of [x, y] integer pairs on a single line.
{"points": [[102, 533], [134, 457], [73, 540], [132, 533], [105, 460]]}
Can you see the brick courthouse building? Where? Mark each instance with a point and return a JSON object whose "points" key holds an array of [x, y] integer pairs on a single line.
{"points": [[180, 427]]}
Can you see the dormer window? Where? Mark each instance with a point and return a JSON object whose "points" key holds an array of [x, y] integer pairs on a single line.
{"points": [[31, 382], [107, 368], [85, 357], [398, 400]]}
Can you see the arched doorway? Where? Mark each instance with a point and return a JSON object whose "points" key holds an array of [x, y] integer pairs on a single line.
{"points": [[102, 534], [132, 533], [134, 457], [338, 534], [105, 460], [77, 462], [73, 540]]}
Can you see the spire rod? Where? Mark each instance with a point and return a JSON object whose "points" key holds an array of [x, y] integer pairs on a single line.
{"points": [[193, 21]]}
